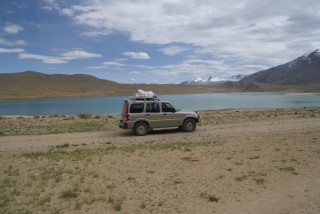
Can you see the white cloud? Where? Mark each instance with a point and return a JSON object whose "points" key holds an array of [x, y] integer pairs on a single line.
{"points": [[63, 58], [44, 59], [137, 55], [199, 67], [93, 33], [11, 28], [195, 67], [67, 11], [117, 64], [173, 50], [96, 67], [51, 4], [113, 64], [6, 42], [13, 50], [77, 54], [250, 29], [135, 72]]}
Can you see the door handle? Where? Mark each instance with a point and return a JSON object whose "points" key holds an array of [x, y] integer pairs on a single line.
{"points": [[147, 115], [165, 114]]}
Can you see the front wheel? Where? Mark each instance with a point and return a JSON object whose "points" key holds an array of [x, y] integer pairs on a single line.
{"points": [[140, 129], [189, 125]]}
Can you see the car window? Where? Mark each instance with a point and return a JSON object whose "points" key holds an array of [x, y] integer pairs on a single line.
{"points": [[136, 108], [153, 107], [167, 107]]}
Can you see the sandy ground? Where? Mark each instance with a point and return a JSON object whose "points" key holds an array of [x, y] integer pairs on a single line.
{"points": [[248, 165]]}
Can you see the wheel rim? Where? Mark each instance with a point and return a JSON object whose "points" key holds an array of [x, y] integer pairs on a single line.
{"points": [[189, 126], [141, 130]]}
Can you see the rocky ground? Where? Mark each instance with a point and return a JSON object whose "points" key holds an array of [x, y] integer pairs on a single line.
{"points": [[237, 161]]}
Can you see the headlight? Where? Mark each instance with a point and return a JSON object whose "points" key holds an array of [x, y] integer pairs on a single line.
{"points": [[197, 114]]}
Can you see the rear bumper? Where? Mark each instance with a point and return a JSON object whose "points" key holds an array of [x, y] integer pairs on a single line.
{"points": [[123, 125]]}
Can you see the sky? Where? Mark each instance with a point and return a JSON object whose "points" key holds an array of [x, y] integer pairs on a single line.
{"points": [[155, 41]]}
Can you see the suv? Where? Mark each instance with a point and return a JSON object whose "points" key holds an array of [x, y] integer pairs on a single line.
{"points": [[144, 112]]}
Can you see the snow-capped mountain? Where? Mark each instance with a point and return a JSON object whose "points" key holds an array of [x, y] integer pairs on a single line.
{"points": [[303, 70], [211, 80]]}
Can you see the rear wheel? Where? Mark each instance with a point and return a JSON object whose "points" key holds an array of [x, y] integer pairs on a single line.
{"points": [[189, 125], [140, 129]]}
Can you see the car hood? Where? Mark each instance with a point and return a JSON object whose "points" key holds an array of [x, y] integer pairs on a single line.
{"points": [[185, 112]]}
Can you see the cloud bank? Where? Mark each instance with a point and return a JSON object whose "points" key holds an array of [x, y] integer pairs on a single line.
{"points": [[250, 29]]}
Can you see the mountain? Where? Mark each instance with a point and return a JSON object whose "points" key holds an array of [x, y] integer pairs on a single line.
{"points": [[304, 70], [213, 80], [30, 84]]}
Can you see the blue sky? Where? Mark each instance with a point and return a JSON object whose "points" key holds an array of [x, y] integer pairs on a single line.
{"points": [[164, 41]]}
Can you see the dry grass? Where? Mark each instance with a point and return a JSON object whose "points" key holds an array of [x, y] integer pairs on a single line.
{"points": [[56, 124], [185, 176], [113, 179]]}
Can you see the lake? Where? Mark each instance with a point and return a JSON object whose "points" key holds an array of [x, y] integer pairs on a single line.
{"points": [[113, 105]]}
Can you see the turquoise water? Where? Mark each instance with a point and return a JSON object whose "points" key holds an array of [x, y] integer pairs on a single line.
{"points": [[113, 105]]}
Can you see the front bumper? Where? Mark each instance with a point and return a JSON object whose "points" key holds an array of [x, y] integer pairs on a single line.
{"points": [[123, 125], [198, 118]]}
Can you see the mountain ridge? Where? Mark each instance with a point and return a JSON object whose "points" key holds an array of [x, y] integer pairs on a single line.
{"points": [[32, 84], [304, 70], [211, 80]]}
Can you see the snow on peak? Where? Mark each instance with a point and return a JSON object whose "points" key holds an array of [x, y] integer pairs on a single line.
{"points": [[211, 80], [198, 80]]}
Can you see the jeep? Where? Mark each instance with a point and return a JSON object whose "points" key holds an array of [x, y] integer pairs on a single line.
{"points": [[144, 112]]}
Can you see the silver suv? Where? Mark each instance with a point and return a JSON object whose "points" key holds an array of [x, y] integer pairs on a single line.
{"points": [[141, 114]]}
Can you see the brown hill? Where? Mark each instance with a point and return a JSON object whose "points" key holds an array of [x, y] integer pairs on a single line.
{"points": [[31, 84], [34, 84]]}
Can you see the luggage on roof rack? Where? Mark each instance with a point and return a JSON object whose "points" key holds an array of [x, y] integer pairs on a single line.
{"points": [[144, 95]]}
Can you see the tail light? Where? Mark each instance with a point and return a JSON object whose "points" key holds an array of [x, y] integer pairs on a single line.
{"points": [[127, 112]]}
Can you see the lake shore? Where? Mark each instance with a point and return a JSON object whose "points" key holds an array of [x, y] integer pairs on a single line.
{"points": [[237, 161]]}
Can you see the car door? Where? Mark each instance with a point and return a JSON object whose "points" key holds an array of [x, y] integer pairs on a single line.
{"points": [[170, 117], [153, 115]]}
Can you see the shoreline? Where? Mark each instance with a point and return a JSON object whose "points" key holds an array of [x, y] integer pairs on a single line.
{"points": [[36, 116], [178, 93]]}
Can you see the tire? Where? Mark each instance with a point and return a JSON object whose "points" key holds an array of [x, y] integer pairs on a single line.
{"points": [[189, 125], [141, 129]]}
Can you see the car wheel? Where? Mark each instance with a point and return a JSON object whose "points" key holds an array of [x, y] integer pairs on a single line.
{"points": [[189, 125], [141, 129]]}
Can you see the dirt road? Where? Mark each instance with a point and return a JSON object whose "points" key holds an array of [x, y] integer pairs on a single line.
{"points": [[125, 136]]}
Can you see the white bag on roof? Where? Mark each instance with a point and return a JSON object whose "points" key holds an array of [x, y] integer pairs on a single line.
{"points": [[145, 94]]}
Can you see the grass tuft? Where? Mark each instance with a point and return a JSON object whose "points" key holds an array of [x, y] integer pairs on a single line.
{"points": [[66, 145], [241, 178], [210, 198], [69, 194], [143, 205]]}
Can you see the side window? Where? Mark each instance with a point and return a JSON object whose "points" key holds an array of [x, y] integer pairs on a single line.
{"points": [[153, 107], [167, 107], [136, 108]]}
